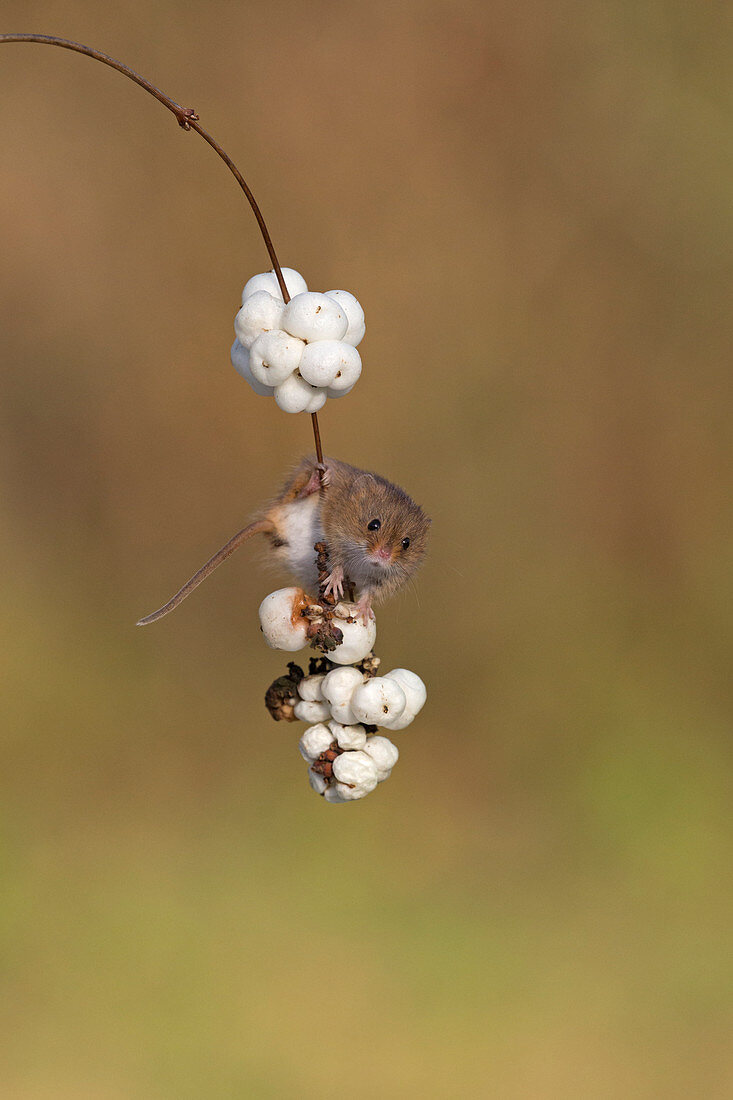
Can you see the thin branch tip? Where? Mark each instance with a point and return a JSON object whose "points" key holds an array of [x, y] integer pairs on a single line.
{"points": [[187, 119]]}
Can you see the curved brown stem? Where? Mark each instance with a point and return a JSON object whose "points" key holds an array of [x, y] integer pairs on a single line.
{"points": [[319, 448], [187, 120]]}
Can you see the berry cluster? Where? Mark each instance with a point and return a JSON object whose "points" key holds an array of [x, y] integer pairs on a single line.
{"points": [[345, 704], [346, 757], [301, 352]]}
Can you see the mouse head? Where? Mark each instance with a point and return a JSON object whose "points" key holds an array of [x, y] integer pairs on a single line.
{"points": [[392, 528]]}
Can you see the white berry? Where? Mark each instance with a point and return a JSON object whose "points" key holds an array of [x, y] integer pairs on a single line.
{"points": [[331, 392], [348, 737], [274, 356], [318, 782], [309, 688], [342, 713], [383, 753], [356, 773], [348, 373], [314, 741], [260, 313], [240, 362], [326, 362], [333, 793], [294, 395], [338, 687], [317, 401], [415, 693], [310, 710], [358, 639], [281, 626], [339, 684], [313, 316], [294, 281], [377, 701], [354, 315]]}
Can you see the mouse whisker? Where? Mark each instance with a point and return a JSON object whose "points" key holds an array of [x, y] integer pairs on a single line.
{"points": [[413, 586]]}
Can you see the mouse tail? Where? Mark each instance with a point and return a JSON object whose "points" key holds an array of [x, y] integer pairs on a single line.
{"points": [[259, 525]]}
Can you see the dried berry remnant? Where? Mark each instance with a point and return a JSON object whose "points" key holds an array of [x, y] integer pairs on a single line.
{"points": [[281, 697], [319, 666], [321, 630], [323, 765], [295, 672], [370, 665], [324, 634]]}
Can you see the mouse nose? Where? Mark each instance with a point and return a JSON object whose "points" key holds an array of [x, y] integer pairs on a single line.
{"points": [[382, 554]]}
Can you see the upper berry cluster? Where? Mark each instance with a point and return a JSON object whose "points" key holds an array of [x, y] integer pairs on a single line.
{"points": [[301, 352]]}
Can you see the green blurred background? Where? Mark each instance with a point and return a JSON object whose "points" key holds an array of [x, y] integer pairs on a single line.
{"points": [[534, 204]]}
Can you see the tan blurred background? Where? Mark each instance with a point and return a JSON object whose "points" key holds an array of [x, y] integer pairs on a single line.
{"points": [[534, 204]]}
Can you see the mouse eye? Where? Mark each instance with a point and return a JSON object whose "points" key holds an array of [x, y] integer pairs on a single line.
{"points": [[405, 543], [374, 525]]}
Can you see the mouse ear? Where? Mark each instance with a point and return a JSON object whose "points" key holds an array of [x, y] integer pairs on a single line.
{"points": [[358, 481]]}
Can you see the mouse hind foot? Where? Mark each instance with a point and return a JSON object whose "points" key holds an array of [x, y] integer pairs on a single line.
{"points": [[321, 476]]}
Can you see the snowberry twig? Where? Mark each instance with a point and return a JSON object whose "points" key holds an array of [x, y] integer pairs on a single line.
{"points": [[187, 120]]}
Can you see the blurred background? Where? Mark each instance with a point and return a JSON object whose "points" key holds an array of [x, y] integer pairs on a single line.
{"points": [[534, 204]]}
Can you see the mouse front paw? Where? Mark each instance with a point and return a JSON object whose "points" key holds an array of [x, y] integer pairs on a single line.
{"points": [[335, 583]]}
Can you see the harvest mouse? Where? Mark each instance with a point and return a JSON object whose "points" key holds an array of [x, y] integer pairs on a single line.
{"points": [[376, 534]]}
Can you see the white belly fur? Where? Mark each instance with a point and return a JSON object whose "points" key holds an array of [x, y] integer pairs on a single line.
{"points": [[299, 523]]}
